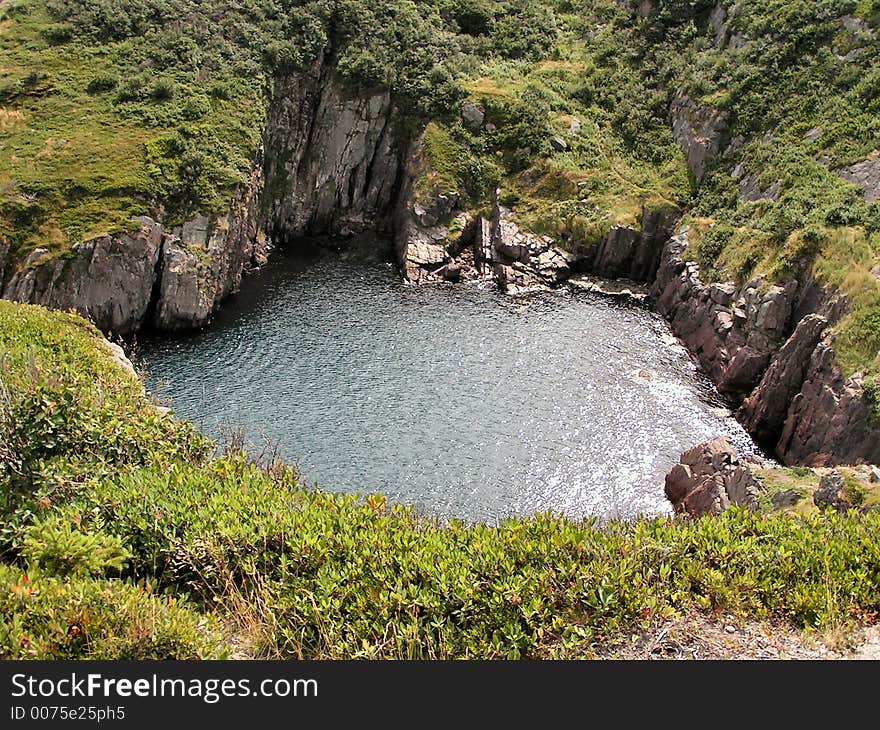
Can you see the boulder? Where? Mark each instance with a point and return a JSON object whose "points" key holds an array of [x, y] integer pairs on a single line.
{"points": [[709, 478], [472, 117], [830, 494], [559, 144]]}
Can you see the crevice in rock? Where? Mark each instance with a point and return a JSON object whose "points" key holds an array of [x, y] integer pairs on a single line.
{"points": [[156, 290]]}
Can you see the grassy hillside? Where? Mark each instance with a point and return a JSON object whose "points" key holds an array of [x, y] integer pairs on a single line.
{"points": [[120, 536]]}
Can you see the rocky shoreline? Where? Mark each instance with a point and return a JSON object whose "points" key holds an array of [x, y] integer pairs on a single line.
{"points": [[335, 161]]}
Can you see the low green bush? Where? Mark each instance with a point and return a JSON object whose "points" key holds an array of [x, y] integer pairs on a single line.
{"points": [[44, 617]]}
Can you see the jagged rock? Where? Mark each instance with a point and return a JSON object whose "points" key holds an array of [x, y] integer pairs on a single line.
{"points": [[108, 280], [559, 144], [750, 189], [717, 19], [509, 243], [553, 266], [829, 421], [865, 174], [698, 129], [437, 211], [203, 260], [830, 494], [626, 253], [813, 134], [733, 332], [452, 272], [575, 127], [709, 478], [472, 117], [117, 354], [763, 413]]}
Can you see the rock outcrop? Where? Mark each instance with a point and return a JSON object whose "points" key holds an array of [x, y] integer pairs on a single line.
{"points": [[109, 280], [732, 331], [710, 478], [333, 165], [203, 261], [626, 253], [698, 129], [829, 421], [766, 349], [171, 278], [866, 175], [334, 160], [435, 242], [764, 412]]}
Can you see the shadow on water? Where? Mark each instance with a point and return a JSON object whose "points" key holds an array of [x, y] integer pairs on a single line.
{"points": [[458, 400]]}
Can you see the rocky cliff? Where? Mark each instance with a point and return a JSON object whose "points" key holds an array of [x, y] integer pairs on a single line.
{"points": [[334, 157], [172, 278], [333, 165], [110, 279], [767, 349]]}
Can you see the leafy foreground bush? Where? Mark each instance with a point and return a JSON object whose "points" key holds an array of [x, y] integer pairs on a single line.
{"points": [[116, 514], [51, 618], [309, 574]]}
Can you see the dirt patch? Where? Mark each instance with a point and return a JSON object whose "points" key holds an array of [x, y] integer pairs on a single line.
{"points": [[697, 636]]}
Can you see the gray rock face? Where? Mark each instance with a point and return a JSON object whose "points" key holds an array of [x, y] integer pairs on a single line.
{"points": [[865, 174], [4, 255], [109, 280], [750, 189], [333, 166], [559, 144], [181, 274], [334, 161], [709, 479], [718, 22], [698, 130], [203, 261], [830, 494]]}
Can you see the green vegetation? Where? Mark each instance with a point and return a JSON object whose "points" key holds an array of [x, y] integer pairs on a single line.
{"points": [[123, 537], [121, 534]]}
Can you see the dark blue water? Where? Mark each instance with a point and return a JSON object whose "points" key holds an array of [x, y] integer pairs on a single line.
{"points": [[459, 400]]}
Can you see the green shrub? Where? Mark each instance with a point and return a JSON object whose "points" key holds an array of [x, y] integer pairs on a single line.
{"points": [[59, 547], [101, 84], [49, 618]]}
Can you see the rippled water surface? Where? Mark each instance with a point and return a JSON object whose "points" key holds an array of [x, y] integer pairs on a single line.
{"points": [[455, 399]]}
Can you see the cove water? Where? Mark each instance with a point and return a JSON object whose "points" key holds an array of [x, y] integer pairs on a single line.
{"points": [[456, 399]]}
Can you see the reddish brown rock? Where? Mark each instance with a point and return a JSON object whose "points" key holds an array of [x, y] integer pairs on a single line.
{"points": [[709, 479]]}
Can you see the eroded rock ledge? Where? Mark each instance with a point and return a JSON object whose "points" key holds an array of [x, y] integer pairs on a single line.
{"points": [[437, 241]]}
